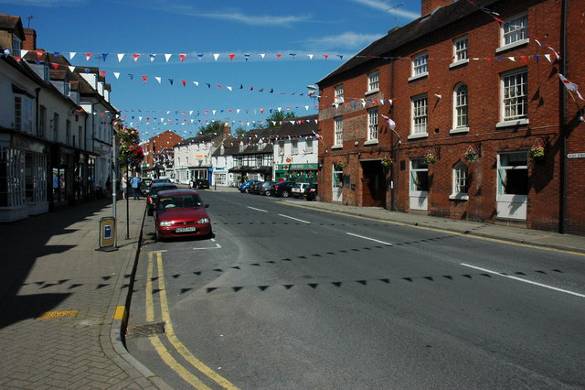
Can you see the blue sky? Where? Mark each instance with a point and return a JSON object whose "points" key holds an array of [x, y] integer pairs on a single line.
{"points": [[174, 26]]}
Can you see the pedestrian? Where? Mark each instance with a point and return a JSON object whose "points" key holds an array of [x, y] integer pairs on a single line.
{"points": [[135, 183], [124, 186]]}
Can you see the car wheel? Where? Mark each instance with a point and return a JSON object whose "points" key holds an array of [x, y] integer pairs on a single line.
{"points": [[285, 194], [267, 193]]}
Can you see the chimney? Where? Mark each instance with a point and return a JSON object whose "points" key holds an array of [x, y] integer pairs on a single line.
{"points": [[428, 6], [30, 39]]}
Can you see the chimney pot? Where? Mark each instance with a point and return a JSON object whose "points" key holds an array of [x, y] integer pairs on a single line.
{"points": [[30, 39]]}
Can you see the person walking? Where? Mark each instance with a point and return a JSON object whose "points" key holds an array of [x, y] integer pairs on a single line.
{"points": [[124, 186], [135, 183]]}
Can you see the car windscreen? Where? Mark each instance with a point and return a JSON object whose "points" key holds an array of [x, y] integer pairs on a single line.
{"points": [[179, 201], [154, 190]]}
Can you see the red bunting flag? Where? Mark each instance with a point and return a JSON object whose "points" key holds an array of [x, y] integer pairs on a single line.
{"points": [[102, 73], [144, 78], [136, 56], [88, 55], [54, 66], [182, 56], [326, 56], [523, 59], [40, 54], [278, 56], [184, 82], [232, 56]]}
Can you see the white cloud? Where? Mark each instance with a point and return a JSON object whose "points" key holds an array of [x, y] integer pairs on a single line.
{"points": [[346, 40], [44, 3], [255, 20], [384, 6]]}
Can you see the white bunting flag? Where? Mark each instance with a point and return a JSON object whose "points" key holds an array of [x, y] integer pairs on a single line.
{"points": [[196, 83], [190, 112], [306, 108], [538, 42], [120, 56], [571, 87], [292, 122], [273, 123], [213, 111], [310, 56], [279, 109], [72, 69], [262, 55], [229, 88], [167, 57], [381, 102], [547, 56], [117, 75], [316, 121], [363, 102], [216, 56], [152, 57], [390, 101], [168, 112], [140, 118], [23, 53], [512, 59], [557, 55], [192, 120], [237, 110], [72, 54], [162, 120], [391, 123], [158, 79]]}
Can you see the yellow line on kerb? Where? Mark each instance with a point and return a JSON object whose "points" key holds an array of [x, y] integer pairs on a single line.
{"points": [[159, 347], [174, 340]]}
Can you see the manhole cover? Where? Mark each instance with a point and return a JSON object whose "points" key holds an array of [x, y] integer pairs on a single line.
{"points": [[145, 330]]}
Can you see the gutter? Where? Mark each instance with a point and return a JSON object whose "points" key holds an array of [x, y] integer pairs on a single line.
{"points": [[563, 121]]}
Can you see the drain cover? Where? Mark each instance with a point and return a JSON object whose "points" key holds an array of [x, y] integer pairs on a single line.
{"points": [[148, 329]]}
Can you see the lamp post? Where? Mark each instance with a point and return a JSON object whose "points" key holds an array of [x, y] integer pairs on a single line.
{"points": [[127, 203]]}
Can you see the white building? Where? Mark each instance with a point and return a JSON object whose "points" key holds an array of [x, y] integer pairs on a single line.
{"points": [[192, 157]]}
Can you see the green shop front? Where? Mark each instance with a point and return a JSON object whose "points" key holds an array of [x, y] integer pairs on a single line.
{"points": [[302, 173]]}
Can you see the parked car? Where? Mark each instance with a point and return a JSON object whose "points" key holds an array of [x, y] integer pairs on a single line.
{"points": [[267, 188], [161, 180], [244, 187], [145, 185], [298, 190], [200, 184], [181, 213], [155, 188], [283, 189], [311, 191]]}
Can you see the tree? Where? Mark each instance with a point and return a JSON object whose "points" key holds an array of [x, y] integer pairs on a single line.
{"points": [[212, 128], [240, 131], [130, 152], [279, 116]]}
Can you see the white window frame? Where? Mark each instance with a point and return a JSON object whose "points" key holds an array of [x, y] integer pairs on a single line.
{"points": [[458, 109], [522, 39], [294, 146], [416, 113], [516, 120], [309, 146], [374, 82], [373, 131], [460, 51], [23, 113], [417, 165], [338, 94], [460, 181], [281, 148], [419, 66], [338, 132]]}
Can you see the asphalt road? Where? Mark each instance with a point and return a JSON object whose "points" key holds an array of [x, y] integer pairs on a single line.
{"points": [[289, 298]]}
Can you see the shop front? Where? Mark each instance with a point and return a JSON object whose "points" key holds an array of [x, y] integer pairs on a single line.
{"points": [[302, 173]]}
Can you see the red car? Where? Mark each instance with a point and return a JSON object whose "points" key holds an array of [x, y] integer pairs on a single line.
{"points": [[181, 213]]}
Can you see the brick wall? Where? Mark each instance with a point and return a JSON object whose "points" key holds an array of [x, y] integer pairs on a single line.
{"points": [[164, 140]]}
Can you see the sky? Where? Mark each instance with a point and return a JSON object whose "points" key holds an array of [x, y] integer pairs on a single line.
{"points": [[336, 29]]}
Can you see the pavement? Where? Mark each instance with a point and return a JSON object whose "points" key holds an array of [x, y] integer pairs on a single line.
{"points": [[63, 303], [298, 298], [508, 233]]}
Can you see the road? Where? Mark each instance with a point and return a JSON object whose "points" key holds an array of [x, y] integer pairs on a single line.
{"points": [[291, 298]]}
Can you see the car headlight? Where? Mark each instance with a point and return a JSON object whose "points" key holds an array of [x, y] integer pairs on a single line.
{"points": [[166, 223], [203, 221]]}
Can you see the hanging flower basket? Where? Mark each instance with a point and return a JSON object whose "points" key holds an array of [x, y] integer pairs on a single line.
{"points": [[430, 158], [386, 163], [537, 152], [471, 154], [340, 164]]}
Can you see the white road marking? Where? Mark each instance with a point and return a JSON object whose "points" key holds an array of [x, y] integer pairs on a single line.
{"points": [[524, 280], [217, 246], [293, 218], [254, 208], [368, 238]]}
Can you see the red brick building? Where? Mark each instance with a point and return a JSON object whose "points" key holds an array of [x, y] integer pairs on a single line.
{"points": [[158, 152], [482, 119]]}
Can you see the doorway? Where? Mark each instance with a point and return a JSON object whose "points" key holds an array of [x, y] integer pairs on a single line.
{"points": [[373, 184]]}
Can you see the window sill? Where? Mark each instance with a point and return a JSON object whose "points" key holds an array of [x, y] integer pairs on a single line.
{"points": [[459, 130], [372, 92], [512, 45], [335, 147], [417, 136], [417, 77], [459, 63], [459, 197], [371, 142], [512, 123]]}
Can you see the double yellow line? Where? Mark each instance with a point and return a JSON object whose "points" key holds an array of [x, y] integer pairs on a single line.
{"points": [[171, 337]]}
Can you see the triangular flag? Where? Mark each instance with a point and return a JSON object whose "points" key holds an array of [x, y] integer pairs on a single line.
{"points": [[54, 65], [104, 56], [310, 56], [72, 68], [158, 79], [232, 56], [171, 81], [88, 55], [182, 57], [306, 108], [278, 56], [102, 73], [213, 111], [547, 56], [120, 56], [136, 56], [144, 78], [117, 75], [167, 57], [572, 87], [237, 110], [184, 82], [262, 55], [513, 59], [196, 83], [71, 54], [200, 55], [152, 57], [190, 112], [216, 56], [340, 56], [228, 87]]}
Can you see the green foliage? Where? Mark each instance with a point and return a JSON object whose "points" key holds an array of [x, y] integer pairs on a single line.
{"points": [[240, 131], [279, 116], [212, 128]]}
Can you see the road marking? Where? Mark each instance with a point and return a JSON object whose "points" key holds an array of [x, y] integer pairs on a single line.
{"points": [[119, 312], [217, 246], [174, 340], [149, 304], [52, 315], [293, 218], [254, 208], [368, 238], [524, 280]]}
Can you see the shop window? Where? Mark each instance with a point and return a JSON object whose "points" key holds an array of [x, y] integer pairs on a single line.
{"points": [[513, 173]]}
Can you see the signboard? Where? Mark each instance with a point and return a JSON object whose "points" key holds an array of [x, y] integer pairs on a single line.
{"points": [[575, 155], [107, 229]]}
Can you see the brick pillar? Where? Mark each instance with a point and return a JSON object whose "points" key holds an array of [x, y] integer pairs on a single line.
{"points": [[30, 39]]}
